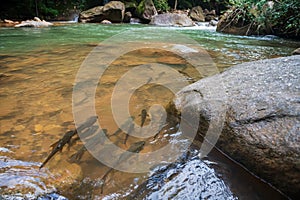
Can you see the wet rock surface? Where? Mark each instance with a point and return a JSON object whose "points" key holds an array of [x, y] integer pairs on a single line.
{"points": [[193, 179], [260, 105]]}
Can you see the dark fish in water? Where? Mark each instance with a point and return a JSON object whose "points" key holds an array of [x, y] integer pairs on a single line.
{"points": [[58, 146], [143, 115], [125, 126], [91, 142], [66, 139], [76, 157], [131, 128], [88, 132], [89, 122], [134, 148]]}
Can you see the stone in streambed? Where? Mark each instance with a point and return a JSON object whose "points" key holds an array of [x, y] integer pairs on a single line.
{"points": [[261, 129], [38, 128]]}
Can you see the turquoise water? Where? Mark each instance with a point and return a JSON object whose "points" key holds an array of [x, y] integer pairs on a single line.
{"points": [[38, 67], [239, 48]]}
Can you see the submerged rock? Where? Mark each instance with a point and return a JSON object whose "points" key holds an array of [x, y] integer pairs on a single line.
{"points": [[171, 19], [261, 126]]}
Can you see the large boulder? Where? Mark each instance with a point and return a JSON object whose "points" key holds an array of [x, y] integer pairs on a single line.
{"points": [[112, 11], [146, 10], [196, 14], [92, 15], [171, 19], [260, 105]]}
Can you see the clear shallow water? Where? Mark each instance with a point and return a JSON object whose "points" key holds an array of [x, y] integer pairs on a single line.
{"points": [[37, 73]]}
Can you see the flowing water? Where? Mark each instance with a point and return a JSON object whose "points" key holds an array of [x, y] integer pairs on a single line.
{"points": [[38, 68]]}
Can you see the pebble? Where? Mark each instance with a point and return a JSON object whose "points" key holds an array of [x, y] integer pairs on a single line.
{"points": [[51, 127], [38, 128], [19, 128]]}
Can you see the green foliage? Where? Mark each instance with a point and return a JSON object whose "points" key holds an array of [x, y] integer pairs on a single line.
{"points": [[140, 8], [286, 17], [161, 5], [281, 17], [47, 11]]}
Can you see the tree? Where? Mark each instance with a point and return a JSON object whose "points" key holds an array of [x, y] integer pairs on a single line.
{"points": [[36, 8]]}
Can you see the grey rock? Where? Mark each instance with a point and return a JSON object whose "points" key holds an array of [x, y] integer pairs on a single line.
{"points": [[191, 180], [146, 10], [296, 52], [127, 17], [36, 22], [112, 11], [196, 14], [92, 15], [171, 19], [257, 107]]}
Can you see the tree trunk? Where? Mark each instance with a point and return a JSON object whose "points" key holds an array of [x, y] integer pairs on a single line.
{"points": [[36, 9], [175, 5]]}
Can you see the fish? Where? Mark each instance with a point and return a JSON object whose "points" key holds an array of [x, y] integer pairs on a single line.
{"points": [[130, 129], [134, 148], [66, 139], [88, 132], [58, 146], [124, 126], [143, 115], [76, 157], [91, 142], [88, 123]]}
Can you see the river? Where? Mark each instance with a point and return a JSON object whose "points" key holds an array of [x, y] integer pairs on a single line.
{"points": [[38, 68]]}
